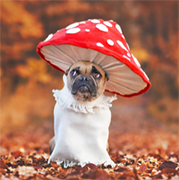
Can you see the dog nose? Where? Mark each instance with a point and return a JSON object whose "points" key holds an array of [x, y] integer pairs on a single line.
{"points": [[84, 78]]}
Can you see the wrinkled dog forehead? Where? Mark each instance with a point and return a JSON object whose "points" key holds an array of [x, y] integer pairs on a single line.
{"points": [[84, 67]]}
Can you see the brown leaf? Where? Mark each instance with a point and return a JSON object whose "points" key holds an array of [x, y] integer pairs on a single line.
{"points": [[96, 174], [167, 164], [121, 169], [3, 165], [17, 154], [128, 175], [81, 171], [143, 167], [157, 176], [90, 166], [170, 172], [73, 175], [37, 167], [2, 171]]}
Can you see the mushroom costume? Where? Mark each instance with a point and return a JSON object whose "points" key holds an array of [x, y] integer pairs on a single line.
{"points": [[103, 43]]}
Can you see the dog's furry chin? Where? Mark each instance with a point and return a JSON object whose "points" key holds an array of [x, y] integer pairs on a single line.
{"points": [[68, 100]]}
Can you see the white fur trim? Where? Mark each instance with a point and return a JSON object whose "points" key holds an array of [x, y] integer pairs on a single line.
{"points": [[66, 100]]}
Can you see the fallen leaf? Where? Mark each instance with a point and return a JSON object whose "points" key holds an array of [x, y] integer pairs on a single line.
{"points": [[17, 153], [143, 167], [167, 164]]}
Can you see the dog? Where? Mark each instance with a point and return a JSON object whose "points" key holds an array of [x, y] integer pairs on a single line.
{"points": [[82, 117]]}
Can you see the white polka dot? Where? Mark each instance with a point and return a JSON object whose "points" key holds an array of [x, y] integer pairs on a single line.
{"points": [[129, 54], [126, 57], [99, 44], [136, 61], [87, 30], [49, 37], [118, 28], [123, 36], [110, 42], [102, 27], [95, 21], [107, 23], [122, 45], [72, 25], [73, 31], [82, 22]]}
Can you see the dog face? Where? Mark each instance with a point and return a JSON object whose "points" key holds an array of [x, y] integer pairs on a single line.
{"points": [[86, 80]]}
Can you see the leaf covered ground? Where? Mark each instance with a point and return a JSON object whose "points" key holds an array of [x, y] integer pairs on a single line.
{"points": [[152, 155]]}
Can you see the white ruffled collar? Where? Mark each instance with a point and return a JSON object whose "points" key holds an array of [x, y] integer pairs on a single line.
{"points": [[66, 100]]}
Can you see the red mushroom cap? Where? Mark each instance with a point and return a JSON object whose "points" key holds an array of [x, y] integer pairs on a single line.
{"points": [[103, 43]]}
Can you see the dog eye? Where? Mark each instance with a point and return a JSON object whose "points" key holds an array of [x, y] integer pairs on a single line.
{"points": [[74, 73], [96, 75]]}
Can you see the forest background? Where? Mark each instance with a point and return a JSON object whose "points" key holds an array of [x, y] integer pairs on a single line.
{"points": [[151, 30]]}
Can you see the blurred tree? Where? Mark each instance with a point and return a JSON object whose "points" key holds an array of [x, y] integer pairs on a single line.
{"points": [[151, 31]]}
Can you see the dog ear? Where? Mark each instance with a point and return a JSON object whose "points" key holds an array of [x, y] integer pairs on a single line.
{"points": [[66, 72], [106, 76]]}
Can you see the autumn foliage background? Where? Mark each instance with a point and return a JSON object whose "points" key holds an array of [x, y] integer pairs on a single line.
{"points": [[151, 30]]}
